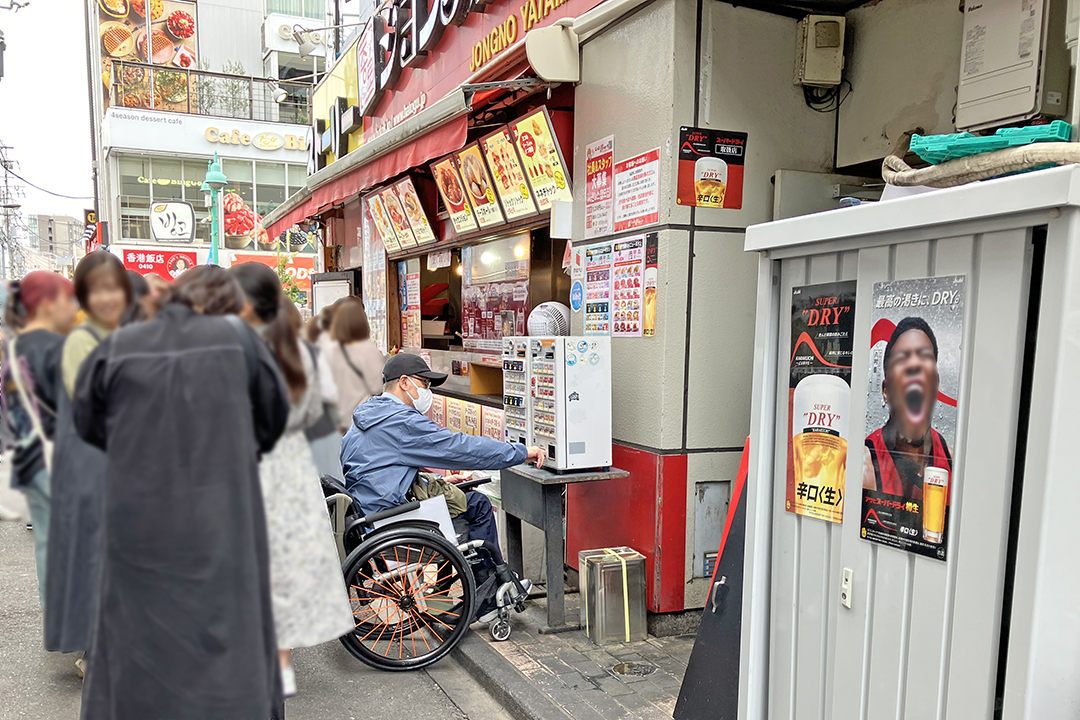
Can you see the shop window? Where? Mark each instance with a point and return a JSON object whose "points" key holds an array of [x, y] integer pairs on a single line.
{"points": [[194, 174], [134, 197], [168, 179], [314, 9], [269, 186], [241, 180], [297, 177]]}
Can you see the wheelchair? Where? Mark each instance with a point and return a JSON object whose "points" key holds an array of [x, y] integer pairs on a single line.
{"points": [[412, 576]]}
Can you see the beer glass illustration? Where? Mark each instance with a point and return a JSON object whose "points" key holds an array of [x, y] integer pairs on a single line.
{"points": [[819, 427], [935, 497], [710, 181]]}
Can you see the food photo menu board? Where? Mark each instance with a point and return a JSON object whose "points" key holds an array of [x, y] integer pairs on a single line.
{"points": [[542, 159], [509, 177], [478, 186], [598, 289], [155, 32], [381, 222], [414, 212], [453, 195], [628, 264], [395, 213]]}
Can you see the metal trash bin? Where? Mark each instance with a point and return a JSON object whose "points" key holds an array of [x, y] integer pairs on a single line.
{"points": [[612, 584]]}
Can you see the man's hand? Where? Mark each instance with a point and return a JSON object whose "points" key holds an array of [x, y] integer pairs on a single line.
{"points": [[538, 455], [457, 477]]}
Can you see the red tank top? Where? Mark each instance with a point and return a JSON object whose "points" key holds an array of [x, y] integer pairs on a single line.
{"points": [[888, 477]]}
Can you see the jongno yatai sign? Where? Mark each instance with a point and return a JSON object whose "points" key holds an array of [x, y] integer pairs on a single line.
{"points": [[403, 34]]}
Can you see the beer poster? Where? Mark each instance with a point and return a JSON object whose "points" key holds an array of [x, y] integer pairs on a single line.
{"points": [[648, 328], [453, 195], [478, 186], [414, 211], [913, 384], [599, 187], [711, 168], [542, 159], [819, 399], [626, 286], [510, 186]]}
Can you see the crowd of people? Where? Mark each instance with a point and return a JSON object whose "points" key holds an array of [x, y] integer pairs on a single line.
{"points": [[169, 439]]}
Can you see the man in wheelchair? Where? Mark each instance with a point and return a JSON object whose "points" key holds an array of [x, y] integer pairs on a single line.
{"points": [[391, 440]]}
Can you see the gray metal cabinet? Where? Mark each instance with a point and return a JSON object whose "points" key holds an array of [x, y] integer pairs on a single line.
{"points": [[921, 639]]}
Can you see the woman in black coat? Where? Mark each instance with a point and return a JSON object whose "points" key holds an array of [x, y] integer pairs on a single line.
{"points": [[183, 406]]}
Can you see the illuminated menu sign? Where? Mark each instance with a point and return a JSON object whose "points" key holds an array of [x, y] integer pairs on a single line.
{"points": [[381, 222], [478, 186], [453, 195], [396, 215], [414, 212], [509, 178], [542, 159]]}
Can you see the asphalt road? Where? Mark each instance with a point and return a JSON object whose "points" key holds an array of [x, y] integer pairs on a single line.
{"points": [[36, 685]]}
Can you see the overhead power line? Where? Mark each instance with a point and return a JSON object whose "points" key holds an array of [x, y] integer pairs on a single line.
{"points": [[50, 192]]}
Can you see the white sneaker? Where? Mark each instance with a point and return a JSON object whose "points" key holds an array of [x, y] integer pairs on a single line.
{"points": [[80, 667], [488, 616], [7, 514], [288, 682]]}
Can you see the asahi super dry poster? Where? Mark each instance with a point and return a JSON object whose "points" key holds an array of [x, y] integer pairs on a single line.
{"points": [[819, 398], [914, 380], [711, 168]]}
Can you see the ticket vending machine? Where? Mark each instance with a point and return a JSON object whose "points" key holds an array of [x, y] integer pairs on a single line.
{"points": [[570, 398], [517, 408]]}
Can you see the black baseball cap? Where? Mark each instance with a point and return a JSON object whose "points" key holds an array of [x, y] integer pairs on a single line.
{"points": [[409, 364]]}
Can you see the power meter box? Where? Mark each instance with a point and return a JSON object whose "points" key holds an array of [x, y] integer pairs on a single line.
{"points": [[570, 398], [819, 51]]}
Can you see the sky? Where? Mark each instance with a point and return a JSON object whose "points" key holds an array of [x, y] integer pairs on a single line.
{"points": [[44, 105]]}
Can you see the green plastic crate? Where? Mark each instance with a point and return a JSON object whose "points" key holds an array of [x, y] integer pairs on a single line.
{"points": [[937, 149]]}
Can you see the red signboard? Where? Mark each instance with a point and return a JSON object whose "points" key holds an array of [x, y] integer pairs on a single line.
{"points": [[165, 263], [299, 267]]}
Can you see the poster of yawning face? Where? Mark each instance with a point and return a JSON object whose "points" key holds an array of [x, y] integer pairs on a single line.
{"points": [[453, 195], [478, 186], [911, 396]]}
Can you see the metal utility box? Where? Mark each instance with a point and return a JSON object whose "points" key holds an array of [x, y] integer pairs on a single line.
{"points": [[612, 594], [910, 540]]}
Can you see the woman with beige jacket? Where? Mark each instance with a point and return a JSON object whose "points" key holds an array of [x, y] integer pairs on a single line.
{"points": [[355, 361]]}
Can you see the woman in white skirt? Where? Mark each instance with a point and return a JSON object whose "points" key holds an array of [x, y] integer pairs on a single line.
{"points": [[311, 604]]}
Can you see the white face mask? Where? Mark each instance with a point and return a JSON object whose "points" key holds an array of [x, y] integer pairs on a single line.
{"points": [[423, 400]]}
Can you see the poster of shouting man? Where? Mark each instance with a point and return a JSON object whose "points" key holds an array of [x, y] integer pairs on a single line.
{"points": [[914, 380]]}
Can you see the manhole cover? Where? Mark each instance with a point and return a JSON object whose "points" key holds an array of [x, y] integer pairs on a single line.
{"points": [[634, 668]]}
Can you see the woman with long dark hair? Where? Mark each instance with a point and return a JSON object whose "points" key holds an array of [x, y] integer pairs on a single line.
{"points": [[103, 289], [354, 359], [311, 604], [183, 405]]}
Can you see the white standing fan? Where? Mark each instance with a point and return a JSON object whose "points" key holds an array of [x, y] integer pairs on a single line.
{"points": [[548, 319]]}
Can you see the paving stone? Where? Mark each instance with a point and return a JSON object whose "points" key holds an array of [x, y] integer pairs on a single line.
{"points": [[570, 655], [606, 706], [663, 681], [555, 665], [612, 687], [577, 682], [588, 668], [578, 708], [637, 704]]}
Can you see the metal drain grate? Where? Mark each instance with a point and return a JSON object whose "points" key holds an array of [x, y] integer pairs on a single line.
{"points": [[634, 668]]}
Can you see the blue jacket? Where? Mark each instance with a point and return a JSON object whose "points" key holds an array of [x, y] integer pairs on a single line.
{"points": [[390, 441]]}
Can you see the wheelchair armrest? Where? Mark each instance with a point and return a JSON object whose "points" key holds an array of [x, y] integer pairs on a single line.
{"points": [[472, 484], [370, 520]]}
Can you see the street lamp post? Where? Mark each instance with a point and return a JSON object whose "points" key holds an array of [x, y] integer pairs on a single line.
{"points": [[212, 188]]}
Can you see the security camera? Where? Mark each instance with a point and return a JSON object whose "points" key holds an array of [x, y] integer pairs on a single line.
{"points": [[280, 95]]}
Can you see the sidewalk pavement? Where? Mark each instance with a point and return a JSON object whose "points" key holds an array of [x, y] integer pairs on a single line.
{"points": [[566, 675]]}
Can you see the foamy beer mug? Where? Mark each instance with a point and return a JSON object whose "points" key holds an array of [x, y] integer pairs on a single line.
{"points": [[819, 427], [710, 182], [934, 495]]}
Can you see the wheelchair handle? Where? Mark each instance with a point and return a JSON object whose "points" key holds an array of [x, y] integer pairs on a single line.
{"points": [[470, 484], [375, 517]]}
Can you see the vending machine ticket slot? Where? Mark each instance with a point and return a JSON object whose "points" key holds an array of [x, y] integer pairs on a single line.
{"points": [[516, 405]]}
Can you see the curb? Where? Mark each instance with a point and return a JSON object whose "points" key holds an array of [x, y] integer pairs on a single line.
{"points": [[505, 683]]}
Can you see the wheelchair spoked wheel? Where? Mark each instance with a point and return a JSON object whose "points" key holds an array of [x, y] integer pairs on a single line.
{"points": [[412, 595]]}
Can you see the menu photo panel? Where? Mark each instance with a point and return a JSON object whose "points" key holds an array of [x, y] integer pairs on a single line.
{"points": [[395, 213], [381, 222], [542, 159], [452, 192], [478, 186], [414, 212], [508, 174]]}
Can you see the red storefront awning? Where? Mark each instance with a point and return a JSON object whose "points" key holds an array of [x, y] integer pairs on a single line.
{"points": [[446, 138]]}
